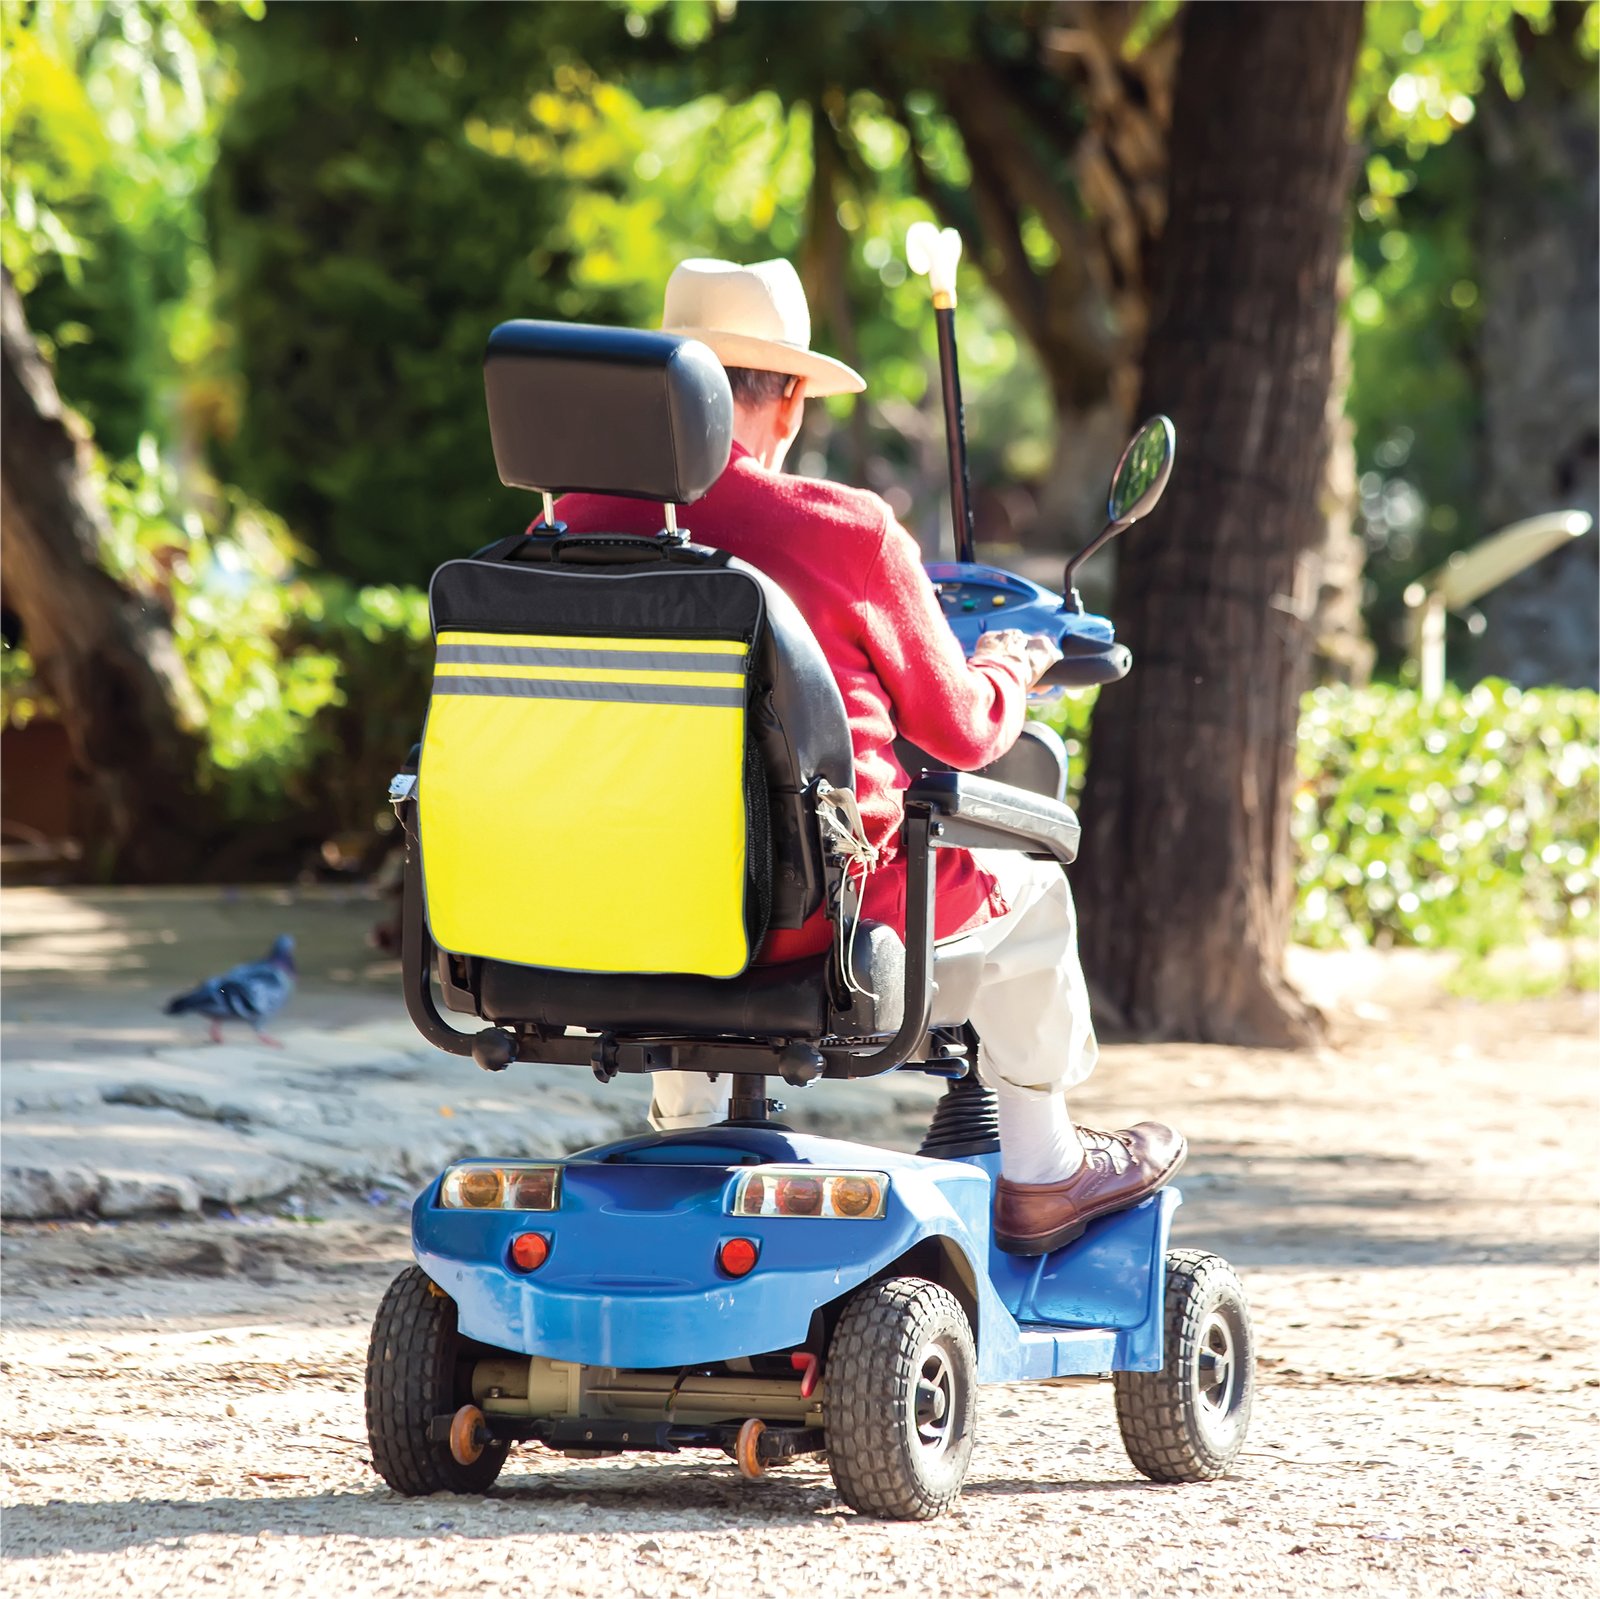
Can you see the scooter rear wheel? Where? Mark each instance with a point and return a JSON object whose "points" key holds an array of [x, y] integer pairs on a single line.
{"points": [[1187, 1422], [419, 1367], [901, 1384]]}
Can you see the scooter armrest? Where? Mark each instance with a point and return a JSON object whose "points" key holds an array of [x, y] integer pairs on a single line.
{"points": [[975, 813]]}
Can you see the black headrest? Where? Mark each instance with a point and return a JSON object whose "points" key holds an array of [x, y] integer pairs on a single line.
{"points": [[610, 410]]}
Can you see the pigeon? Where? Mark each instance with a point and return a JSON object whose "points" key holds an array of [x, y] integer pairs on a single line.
{"points": [[253, 992]]}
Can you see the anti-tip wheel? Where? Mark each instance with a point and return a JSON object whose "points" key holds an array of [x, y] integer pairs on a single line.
{"points": [[1187, 1422], [419, 1367], [902, 1381]]}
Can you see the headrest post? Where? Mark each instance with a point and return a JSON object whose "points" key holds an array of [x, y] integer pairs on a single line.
{"points": [[548, 516], [671, 528]]}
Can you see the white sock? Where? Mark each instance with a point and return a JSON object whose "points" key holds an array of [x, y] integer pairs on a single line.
{"points": [[1038, 1141]]}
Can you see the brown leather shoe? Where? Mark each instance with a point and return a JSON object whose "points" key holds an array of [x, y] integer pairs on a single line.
{"points": [[1118, 1170]]}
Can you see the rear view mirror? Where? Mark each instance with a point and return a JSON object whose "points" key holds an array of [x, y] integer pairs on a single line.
{"points": [[1138, 482], [1142, 473]]}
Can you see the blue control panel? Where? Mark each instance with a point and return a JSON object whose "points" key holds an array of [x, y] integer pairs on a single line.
{"points": [[980, 599]]}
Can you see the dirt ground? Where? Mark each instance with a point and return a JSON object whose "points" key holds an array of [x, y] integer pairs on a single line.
{"points": [[1412, 1210]]}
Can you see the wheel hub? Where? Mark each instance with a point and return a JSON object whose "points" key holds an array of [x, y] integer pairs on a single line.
{"points": [[1216, 1373], [933, 1400]]}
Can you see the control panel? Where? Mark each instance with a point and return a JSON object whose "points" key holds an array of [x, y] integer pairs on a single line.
{"points": [[980, 599]]}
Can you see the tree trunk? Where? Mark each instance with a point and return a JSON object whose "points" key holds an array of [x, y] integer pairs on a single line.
{"points": [[1186, 880], [1119, 167], [1343, 652], [105, 656], [1538, 223]]}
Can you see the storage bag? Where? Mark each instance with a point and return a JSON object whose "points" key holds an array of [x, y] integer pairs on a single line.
{"points": [[585, 795]]}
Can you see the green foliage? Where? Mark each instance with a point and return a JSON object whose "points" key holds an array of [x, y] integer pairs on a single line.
{"points": [[108, 138], [309, 689], [1415, 306], [1071, 716], [1470, 825], [381, 640], [1490, 977], [1423, 61], [370, 231], [1414, 393], [224, 571], [20, 696]]}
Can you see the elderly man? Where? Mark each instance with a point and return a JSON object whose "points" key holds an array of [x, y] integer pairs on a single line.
{"points": [[857, 577]]}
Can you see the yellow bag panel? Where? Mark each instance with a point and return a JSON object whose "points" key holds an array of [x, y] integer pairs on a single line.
{"points": [[587, 816]]}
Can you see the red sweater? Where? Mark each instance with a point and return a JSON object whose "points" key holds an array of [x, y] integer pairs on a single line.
{"points": [[857, 577]]}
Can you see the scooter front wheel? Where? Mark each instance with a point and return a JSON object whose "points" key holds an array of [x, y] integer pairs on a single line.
{"points": [[419, 1367], [901, 1399], [1187, 1422]]}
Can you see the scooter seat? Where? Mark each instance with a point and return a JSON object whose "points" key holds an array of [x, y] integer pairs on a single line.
{"points": [[790, 999]]}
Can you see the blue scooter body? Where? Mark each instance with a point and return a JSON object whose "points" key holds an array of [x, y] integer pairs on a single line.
{"points": [[632, 1279], [979, 599]]}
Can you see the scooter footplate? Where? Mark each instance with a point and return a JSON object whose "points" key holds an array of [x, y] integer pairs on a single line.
{"points": [[1108, 1282]]}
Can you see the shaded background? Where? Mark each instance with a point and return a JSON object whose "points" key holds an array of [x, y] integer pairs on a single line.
{"points": [[255, 249]]}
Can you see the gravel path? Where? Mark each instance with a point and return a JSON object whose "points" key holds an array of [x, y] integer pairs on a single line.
{"points": [[1412, 1212]]}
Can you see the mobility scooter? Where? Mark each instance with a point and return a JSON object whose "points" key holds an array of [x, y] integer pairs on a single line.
{"points": [[636, 761]]}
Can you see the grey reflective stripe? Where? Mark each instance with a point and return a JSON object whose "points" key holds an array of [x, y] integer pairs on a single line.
{"points": [[550, 655], [550, 688]]}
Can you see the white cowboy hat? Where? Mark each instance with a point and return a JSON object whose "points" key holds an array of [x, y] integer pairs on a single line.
{"points": [[756, 317]]}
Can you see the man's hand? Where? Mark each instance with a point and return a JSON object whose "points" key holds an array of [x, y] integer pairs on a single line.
{"points": [[1034, 653]]}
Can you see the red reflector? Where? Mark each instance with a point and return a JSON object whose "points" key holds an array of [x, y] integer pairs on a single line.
{"points": [[737, 1256], [529, 1251]]}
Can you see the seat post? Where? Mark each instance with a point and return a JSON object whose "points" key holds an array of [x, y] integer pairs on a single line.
{"points": [[747, 1098]]}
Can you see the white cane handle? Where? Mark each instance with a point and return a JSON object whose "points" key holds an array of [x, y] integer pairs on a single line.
{"points": [[934, 254]]}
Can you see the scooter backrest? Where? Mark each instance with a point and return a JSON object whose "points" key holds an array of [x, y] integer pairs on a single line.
{"points": [[607, 410]]}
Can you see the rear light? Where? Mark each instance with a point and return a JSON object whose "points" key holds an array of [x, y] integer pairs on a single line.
{"points": [[529, 1251], [856, 1196], [737, 1256], [810, 1191], [798, 1196], [501, 1186]]}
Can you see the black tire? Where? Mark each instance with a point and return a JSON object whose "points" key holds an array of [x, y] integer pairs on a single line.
{"points": [[419, 1367], [902, 1386], [1187, 1422]]}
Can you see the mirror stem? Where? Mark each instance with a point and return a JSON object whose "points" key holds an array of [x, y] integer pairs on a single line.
{"points": [[1105, 535]]}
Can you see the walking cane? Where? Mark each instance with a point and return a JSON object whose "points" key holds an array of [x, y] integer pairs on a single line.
{"points": [[933, 254]]}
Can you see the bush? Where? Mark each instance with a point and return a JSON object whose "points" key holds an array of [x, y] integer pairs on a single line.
{"points": [[309, 690], [381, 640], [224, 572], [1467, 826]]}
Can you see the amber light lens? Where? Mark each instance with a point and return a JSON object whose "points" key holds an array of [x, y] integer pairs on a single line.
{"points": [[856, 1196], [529, 1251], [477, 1188], [737, 1256]]}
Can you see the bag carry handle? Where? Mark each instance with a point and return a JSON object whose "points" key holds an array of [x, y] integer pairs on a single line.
{"points": [[639, 546], [620, 549]]}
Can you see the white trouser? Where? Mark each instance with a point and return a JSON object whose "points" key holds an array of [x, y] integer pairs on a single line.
{"points": [[1031, 1011]]}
